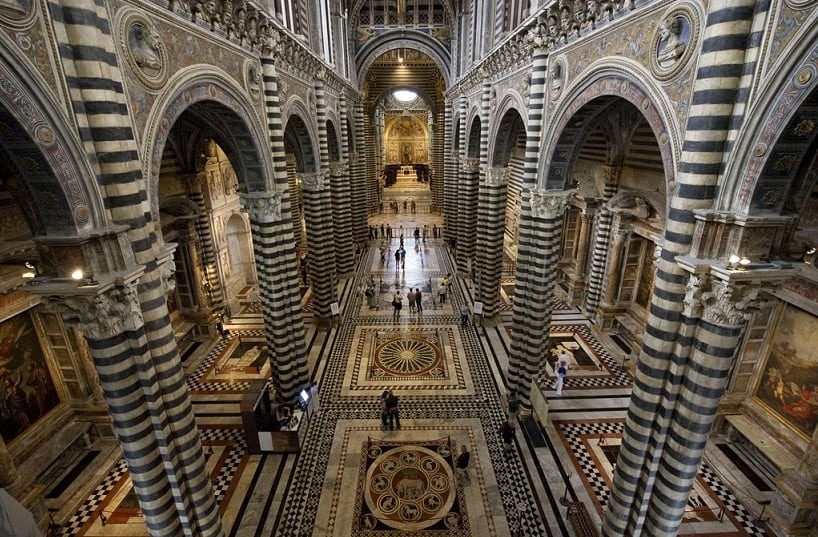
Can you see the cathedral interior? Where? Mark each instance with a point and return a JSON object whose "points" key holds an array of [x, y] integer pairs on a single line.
{"points": [[271, 267]]}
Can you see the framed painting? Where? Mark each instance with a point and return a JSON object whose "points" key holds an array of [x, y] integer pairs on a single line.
{"points": [[789, 382], [27, 391]]}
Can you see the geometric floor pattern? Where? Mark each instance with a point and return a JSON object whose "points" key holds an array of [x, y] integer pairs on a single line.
{"points": [[352, 479], [712, 508]]}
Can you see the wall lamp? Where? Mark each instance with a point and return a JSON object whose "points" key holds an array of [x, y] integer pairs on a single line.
{"points": [[738, 263], [82, 280]]}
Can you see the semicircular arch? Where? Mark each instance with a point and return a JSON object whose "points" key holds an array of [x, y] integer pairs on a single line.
{"points": [[67, 189], [301, 133], [404, 38], [503, 120], [591, 95], [780, 103], [219, 100]]}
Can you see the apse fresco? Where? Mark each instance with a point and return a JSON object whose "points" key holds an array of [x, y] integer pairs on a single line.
{"points": [[27, 391], [789, 385]]}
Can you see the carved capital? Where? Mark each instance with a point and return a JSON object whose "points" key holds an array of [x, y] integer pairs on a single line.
{"points": [[100, 316], [167, 272], [263, 206], [313, 182], [470, 164], [549, 204], [336, 169], [729, 304], [697, 284], [497, 176]]}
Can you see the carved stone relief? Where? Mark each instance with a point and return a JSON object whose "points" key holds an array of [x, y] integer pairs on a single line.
{"points": [[263, 207], [144, 50], [674, 41], [101, 316]]}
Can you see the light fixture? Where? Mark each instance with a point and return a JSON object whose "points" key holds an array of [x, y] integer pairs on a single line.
{"points": [[77, 274], [32, 270], [733, 262], [744, 263]]}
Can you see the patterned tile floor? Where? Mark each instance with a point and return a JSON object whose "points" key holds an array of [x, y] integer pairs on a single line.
{"points": [[353, 479]]}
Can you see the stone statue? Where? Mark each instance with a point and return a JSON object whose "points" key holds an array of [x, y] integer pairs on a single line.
{"points": [[146, 51], [671, 46]]}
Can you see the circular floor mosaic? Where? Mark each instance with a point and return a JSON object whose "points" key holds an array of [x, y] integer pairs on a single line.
{"points": [[408, 355], [409, 488]]}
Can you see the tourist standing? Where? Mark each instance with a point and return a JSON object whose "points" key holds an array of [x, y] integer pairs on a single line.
{"points": [[394, 411]]}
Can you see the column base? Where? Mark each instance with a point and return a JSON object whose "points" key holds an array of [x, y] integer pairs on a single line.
{"points": [[794, 509], [605, 317], [575, 291]]}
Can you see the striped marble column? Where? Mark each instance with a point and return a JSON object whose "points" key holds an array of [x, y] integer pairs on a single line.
{"points": [[537, 259], [276, 263], [450, 176], [717, 309], [158, 433], [153, 422], [357, 176], [655, 410], [438, 136], [457, 195], [320, 243], [362, 184], [534, 125], [342, 218], [206, 245], [280, 296], [467, 213], [602, 236], [371, 164], [490, 234]]}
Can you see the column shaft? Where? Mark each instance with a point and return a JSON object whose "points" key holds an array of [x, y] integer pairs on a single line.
{"points": [[601, 243], [490, 235]]}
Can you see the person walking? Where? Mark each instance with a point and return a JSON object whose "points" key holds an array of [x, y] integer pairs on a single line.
{"points": [[410, 299], [397, 258], [507, 432], [562, 372], [441, 293], [384, 411], [418, 303], [461, 464], [394, 411], [397, 303]]}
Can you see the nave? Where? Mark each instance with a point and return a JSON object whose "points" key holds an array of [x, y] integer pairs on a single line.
{"points": [[350, 478]]}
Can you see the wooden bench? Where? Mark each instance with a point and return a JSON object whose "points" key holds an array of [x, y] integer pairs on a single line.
{"points": [[581, 520]]}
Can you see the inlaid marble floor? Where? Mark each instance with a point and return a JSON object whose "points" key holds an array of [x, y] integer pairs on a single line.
{"points": [[353, 478]]}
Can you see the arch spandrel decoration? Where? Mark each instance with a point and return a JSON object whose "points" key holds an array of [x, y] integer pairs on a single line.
{"points": [[566, 128], [239, 121], [72, 182], [795, 86]]}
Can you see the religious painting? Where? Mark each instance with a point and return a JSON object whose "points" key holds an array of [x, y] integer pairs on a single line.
{"points": [[789, 384], [27, 391]]}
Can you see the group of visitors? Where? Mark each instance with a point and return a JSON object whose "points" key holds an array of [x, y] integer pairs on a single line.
{"points": [[414, 298], [409, 206], [385, 231]]}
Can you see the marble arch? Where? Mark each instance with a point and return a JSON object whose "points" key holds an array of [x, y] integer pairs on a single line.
{"points": [[602, 87], [782, 101], [68, 176], [299, 136], [474, 121], [227, 109], [396, 39], [511, 104], [333, 140]]}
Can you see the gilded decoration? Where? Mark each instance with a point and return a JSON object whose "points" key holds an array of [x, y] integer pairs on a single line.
{"points": [[144, 49], [789, 383], [27, 391]]}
